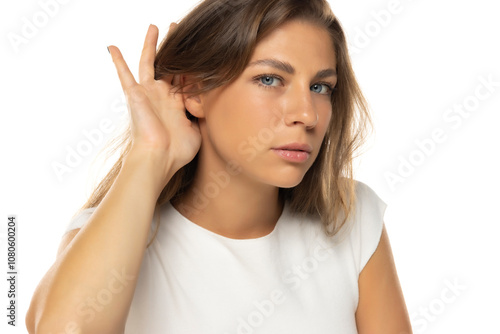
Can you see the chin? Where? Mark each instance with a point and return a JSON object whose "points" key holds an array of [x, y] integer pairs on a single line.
{"points": [[288, 177], [287, 182]]}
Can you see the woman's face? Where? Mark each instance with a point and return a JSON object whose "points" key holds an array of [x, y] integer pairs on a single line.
{"points": [[271, 105]]}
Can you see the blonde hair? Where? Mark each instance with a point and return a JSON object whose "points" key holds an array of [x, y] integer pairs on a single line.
{"points": [[214, 44]]}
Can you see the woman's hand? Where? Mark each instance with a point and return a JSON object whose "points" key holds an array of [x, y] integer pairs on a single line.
{"points": [[159, 123]]}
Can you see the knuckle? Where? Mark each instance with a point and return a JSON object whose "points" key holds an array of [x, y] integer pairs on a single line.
{"points": [[136, 94], [146, 80]]}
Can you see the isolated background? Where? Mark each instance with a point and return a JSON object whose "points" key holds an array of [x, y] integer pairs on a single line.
{"points": [[430, 56]]}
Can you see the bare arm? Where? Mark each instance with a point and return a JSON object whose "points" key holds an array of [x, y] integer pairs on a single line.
{"points": [[381, 308], [89, 288], [91, 284]]}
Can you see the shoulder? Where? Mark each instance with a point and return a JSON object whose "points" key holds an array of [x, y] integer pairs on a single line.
{"points": [[381, 306], [368, 205], [366, 223], [367, 197]]}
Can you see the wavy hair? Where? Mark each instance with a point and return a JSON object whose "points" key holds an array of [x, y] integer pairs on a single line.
{"points": [[214, 43]]}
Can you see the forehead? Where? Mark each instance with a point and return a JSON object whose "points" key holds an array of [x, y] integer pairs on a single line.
{"points": [[298, 39]]}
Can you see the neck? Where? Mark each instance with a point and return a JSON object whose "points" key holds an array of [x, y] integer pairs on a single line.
{"points": [[230, 205]]}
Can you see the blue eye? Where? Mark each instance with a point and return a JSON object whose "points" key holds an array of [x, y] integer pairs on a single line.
{"points": [[265, 81], [327, 86]]}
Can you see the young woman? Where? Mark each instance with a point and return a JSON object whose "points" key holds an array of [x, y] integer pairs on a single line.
{"points": [[232, 208]]}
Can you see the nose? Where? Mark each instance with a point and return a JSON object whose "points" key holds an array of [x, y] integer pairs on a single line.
{"points": [[300, 108]]}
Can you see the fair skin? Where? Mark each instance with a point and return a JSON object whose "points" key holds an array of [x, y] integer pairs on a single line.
{"points": [[164, 140], [381, 307], [294, 108], [300, 109]]}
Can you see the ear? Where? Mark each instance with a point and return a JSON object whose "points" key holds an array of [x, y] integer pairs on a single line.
{"points": [[193, 103]]}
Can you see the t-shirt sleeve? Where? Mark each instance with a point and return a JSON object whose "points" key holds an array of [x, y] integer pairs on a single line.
{"points": [[369, 222], [79, 219]]}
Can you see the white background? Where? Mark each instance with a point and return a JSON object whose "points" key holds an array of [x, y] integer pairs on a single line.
{"points": [[413, 66]]}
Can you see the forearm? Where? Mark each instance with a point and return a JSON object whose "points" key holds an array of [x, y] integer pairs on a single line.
{"points": [[92, 282]]}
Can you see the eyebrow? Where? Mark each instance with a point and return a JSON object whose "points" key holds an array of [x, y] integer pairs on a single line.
{"points": [[288, 68]]}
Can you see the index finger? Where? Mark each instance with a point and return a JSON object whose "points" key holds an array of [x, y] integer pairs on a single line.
{"points": [[146, 64]]}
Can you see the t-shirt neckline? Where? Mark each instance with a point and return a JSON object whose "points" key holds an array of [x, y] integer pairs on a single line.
{"points": [[203, 230]]}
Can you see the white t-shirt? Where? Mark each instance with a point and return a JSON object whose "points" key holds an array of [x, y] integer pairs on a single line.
{"points": [[293, 280]]}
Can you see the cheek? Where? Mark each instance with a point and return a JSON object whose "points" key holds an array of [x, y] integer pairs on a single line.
{"points": [[325, 117], [261, 110], [248, 112], [234, 118]]}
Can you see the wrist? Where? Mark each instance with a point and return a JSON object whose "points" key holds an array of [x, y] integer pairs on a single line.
{"points": [[155, 167]]}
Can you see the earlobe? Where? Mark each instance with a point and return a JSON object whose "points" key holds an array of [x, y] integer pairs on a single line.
{"points": [[194, 106], [193, 103]]}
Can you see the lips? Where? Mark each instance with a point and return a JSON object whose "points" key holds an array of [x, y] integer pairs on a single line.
{"points": [[295, 147], [294, 152]]}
